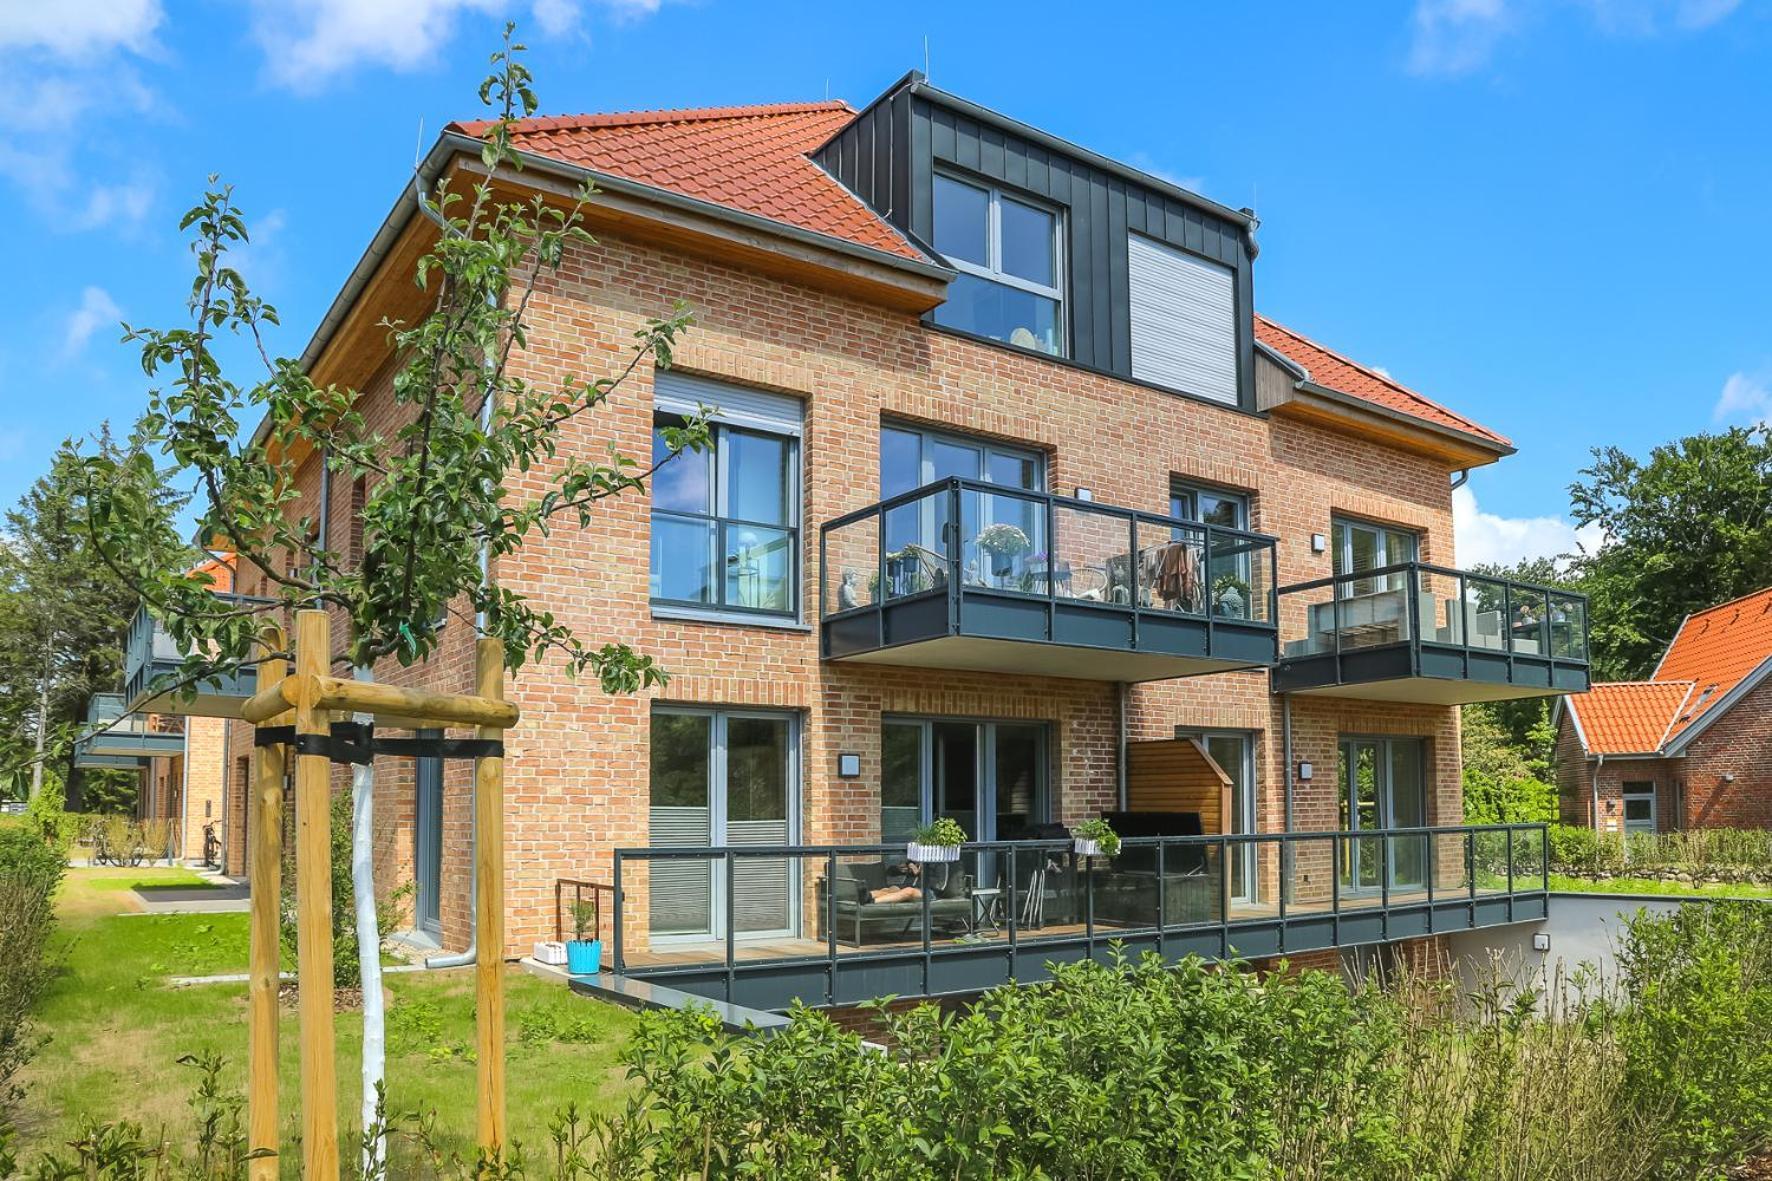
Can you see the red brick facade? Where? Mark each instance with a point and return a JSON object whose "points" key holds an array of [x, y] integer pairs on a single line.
{"points": [[577, 766]]}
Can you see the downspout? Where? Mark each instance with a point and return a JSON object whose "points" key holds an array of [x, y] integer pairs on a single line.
{"points": [[1286, 858], [1594, 789], [184, 800], [1122, 698], [1460, 478]]}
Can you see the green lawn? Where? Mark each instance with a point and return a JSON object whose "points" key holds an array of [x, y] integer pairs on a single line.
{"points": [[1656, 886], [116, 1028]]}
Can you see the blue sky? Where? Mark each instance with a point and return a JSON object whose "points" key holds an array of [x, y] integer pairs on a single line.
{"points": [[1550, 215]]}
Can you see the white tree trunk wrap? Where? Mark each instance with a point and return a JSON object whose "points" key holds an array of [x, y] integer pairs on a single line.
{"points": [[368, 942]]}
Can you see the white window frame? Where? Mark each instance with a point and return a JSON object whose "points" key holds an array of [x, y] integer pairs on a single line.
{"points": [[1626, 795], [993, 270]]}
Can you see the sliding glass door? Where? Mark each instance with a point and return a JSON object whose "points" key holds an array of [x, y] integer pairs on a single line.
{"points": [[723, 778], [990, 777], [1359, 547], [1382, 787], [916, 533]]}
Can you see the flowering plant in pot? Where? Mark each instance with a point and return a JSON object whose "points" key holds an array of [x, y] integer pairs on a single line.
{"points": [[584, 952], [937, 842], [1096, 837]]}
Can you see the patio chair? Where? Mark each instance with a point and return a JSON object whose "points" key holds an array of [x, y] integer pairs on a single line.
{"points": [[858, 918]]}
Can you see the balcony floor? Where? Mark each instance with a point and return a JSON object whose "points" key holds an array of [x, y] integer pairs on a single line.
{"points": [[1427, 691], [975, 653]]}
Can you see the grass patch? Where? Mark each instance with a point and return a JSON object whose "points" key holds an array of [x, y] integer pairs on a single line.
{"points": [[117, 1028], [1564, 883]]}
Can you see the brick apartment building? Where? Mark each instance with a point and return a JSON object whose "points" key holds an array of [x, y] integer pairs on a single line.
{"points": [[1690, 747], [1091, 606]]}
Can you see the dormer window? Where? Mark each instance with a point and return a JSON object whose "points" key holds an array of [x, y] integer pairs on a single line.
{"points": [[1007, 252]]}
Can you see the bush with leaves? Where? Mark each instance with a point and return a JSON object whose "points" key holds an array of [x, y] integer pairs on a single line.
{"points": [[30, 870], [388, 910]]}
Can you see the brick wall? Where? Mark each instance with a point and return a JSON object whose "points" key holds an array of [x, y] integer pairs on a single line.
{"points": [[1738, 745], [577, 766]]}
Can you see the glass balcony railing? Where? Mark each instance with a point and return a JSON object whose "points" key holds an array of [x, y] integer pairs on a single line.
{"points": [[764, 926], [113, 734], [152, 658], [967, 574], [1431, 634]]}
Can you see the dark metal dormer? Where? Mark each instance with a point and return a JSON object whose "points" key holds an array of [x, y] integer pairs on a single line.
{"points": [[1129, 250]]}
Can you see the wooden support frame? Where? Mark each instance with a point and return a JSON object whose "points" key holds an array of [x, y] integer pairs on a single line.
{"points": [[313, 696], [265, 877]]}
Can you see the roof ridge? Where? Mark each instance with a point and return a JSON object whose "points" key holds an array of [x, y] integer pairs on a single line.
{"points": [[1738, 599], [661, 115], [1374, 374]]}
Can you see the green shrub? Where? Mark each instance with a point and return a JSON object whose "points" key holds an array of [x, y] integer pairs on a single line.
{"points": [[1490, 799], [30, 871], [1698, 1030], [345, 963]]}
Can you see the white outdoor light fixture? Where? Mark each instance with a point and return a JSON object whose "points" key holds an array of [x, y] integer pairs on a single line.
{"points": [[1085, 493], [1540, 941], [1319, 543], [1304, 770], [848, 765]]}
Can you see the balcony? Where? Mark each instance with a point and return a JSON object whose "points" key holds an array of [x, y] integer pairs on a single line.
{"points": [[116, 737], [1418, 633], [962, 574], [762, 927], [151, 662]]}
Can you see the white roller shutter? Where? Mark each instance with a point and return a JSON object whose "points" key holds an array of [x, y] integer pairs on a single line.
{"points": [[683, 393], [1184, 323]]}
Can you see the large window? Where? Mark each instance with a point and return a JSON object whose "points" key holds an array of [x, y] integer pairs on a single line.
{"points": [[916, 532], [1359, 546], [1010, 285], [725, 521], [1209, 506], [722, 777]]}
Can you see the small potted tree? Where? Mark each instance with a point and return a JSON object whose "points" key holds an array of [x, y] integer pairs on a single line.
{"points": [[584, 952], [1095, 837], [937, 842]]}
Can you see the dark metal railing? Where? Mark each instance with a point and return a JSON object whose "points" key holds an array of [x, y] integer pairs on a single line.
{"points": [[1483, 613], [1236, 568], [1015, 894]]}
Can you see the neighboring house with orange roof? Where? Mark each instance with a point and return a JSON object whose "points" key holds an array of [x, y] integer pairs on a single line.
{"points": [[1689, 748]]}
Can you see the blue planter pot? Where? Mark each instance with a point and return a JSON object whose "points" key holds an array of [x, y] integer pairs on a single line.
{"points": [[584, 959]]}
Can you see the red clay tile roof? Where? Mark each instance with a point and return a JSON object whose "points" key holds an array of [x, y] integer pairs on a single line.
{"points": [[752, 159], [1715, 649], [755, 159], [1628, 717], [1713, 652], [1331, 370]]}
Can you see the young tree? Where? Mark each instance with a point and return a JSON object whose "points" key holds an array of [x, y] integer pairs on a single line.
{"points": [[435, 506], [1686, 529]]}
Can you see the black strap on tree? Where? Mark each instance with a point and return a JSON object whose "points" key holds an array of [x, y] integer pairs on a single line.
{"points": [[356, 742]]}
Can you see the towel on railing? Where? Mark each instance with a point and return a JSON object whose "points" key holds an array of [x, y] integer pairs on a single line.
{"points": [[1173, 572]]}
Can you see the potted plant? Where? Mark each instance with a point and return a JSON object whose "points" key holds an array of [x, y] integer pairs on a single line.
{"points": [[1004, 542], [584, 955], [1096, 837], [937, 842], [1230, 596]]}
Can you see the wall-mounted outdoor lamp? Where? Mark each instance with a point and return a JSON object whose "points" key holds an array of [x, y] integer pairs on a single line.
{"points": [[1305, 770], [1319, 543], [1085, 493], [848, 766]]}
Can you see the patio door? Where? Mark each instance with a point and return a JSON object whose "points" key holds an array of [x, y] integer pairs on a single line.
{"points": [[1639, 807], [989, 777], [1359, 547], [723, 778], [1381, 781], [911, 458], [427, 841]]}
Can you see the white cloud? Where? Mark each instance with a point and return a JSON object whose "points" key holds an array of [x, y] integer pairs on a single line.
{"points": [[1449, 38], [97, 310], [82, 29], [1452, 37], [308, 43], [1481, 537], [1745, 396]]}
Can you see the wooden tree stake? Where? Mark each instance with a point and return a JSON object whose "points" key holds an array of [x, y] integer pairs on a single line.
{"points": [[489, 934], [313, 894], [265, 878]]}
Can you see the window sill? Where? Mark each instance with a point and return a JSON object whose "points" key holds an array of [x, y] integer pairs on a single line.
{"points": [[728, 618]]}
